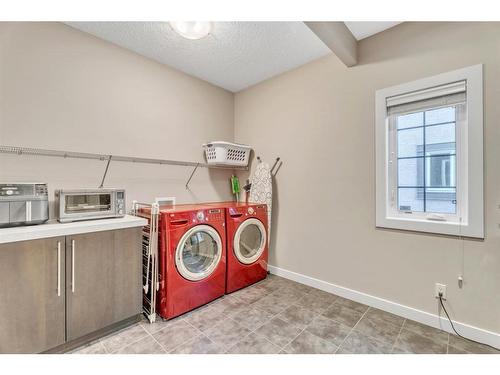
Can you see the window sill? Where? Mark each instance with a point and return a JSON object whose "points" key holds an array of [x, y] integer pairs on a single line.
{"points": [[431, 226]]}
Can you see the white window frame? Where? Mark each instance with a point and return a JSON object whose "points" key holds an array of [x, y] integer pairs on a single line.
{"points": [[469, 220]]}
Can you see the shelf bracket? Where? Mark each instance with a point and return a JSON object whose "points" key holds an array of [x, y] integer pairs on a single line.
{"points": [[105, 172], [191, 176]]}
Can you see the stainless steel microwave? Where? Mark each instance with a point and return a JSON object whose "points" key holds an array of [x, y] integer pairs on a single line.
{"points": [[89, 204]]}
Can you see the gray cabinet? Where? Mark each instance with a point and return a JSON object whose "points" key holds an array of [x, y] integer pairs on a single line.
{"points": [[32, 301], [57, 290], [103, 280]]}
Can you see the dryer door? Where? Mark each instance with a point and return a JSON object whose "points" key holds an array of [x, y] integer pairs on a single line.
{"points": [[198, 253], [250, 240]]}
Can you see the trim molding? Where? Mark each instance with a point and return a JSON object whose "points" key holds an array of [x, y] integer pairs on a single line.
{"points": [[433, 320]]}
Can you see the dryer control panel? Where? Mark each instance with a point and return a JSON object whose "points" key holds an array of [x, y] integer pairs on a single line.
{"points": [[215, 214], [202, 215]]}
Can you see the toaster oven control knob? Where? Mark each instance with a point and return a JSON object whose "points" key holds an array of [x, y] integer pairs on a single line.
{"points": [[251, 211], [200, 216], [9, 192]]}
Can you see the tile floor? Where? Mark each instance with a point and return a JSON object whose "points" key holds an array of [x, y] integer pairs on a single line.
{"points": [[280, 316]]}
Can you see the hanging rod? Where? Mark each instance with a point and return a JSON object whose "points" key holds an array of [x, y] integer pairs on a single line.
{"points": [[106, 157]]}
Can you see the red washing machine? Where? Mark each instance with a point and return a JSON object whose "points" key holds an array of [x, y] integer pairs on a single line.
{"points": [[247, 244], [192, 258]]}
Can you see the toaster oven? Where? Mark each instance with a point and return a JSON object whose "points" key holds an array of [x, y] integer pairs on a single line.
{"points": [[89, 204]]}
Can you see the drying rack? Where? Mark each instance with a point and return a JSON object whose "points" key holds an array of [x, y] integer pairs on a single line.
{"points": [[150, 282], [108, 158]]}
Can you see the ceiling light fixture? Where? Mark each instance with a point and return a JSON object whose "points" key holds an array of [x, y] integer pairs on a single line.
{"points": [[192, 29]]}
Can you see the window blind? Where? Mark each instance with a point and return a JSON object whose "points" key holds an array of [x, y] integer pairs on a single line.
{"points": [[439, 96]]}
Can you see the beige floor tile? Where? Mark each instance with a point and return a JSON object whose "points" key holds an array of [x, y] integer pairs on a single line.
{"points": [[147, 345], [175, 335], [124, 337], [206, 318], [357, 343], [343, 314], [453, 350], [316, 303], [271, 304], [94, 348], [228, 333], [328, 330], [381, 330], [297, 315], [288, 294], [199, 345], [307, 343], [471, 347], [359, 307], [251, 294], [250, 317], [279, 332], [254, 344], [376, 314], [227, 304], [159, 324], [409, 341], [321, 293], [426, 331]]}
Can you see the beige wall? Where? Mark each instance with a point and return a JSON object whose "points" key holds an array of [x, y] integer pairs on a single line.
{"points": [[64, 89], [320, 119]]}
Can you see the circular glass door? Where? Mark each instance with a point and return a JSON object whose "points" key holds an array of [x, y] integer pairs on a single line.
{"points": [[198, 253], [249, 241]]}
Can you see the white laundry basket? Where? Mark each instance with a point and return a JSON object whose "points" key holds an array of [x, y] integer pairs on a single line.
{"points": [[227, 153]]}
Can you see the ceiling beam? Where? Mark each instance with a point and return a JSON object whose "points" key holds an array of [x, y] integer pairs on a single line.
{"points": [[338, 38]]}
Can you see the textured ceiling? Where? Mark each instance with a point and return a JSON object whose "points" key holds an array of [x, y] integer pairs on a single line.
{"points": [[235, 56], [362, 30]]}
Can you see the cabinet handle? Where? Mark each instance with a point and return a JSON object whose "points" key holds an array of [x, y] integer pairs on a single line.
{"points": [[58, 268], [72, 266]]}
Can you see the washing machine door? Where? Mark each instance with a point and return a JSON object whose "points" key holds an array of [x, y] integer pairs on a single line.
{"points": [[198, 253], [250, 240]]}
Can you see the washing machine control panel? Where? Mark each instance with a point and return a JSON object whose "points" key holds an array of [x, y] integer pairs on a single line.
{"points": [[251, 211], [200, 216]]}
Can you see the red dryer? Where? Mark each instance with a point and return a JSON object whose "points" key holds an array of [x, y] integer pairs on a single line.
{"points": [[192, 257], [247, 244]]}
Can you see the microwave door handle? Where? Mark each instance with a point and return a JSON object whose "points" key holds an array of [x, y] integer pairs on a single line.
{"points": [[28, 210]]}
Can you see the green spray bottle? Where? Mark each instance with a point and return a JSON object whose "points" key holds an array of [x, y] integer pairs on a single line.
{"points": [[235, 187]]}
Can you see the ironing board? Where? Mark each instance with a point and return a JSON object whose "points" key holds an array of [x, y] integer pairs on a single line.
{"points": [[262, 190]]}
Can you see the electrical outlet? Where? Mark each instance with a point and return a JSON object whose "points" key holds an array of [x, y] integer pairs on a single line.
{"points": [[440, 288]]}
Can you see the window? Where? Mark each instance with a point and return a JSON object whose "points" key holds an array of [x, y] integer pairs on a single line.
{"points": [[429, 154]]}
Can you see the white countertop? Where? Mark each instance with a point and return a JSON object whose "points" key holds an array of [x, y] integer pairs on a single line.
{"points": [[55, 229]]}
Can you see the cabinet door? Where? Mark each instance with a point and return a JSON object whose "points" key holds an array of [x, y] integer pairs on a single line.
{"points": [[127, 270], [103, 280], [32, 295]]}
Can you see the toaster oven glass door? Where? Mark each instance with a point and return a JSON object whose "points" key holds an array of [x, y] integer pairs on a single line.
{"points": [[88, 203]]}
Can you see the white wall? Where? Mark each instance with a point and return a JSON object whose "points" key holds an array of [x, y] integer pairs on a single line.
{"points": [[319, 119], [63, 89]]}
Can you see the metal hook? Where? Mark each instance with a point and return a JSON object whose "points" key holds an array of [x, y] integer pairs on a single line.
{"points": [[105, 172], [277, 169], [275, 163], [191, 176]]}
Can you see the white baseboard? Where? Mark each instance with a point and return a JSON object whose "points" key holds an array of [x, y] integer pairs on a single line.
{"points": [[433, 320]]}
